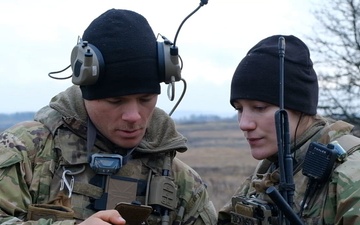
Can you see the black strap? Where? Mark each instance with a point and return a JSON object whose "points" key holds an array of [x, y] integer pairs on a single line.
{"points": [[90, 137]]}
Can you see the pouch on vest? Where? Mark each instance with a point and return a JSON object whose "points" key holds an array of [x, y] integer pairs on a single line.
{"points": [[120, 190], [252, 211], [57, 209], [47, 211]]}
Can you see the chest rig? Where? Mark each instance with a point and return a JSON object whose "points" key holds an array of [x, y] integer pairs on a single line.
{"points": [[136, 182], [256, 207], [99, 181]]}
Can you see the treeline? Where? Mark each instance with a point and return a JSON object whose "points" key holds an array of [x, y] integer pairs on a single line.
{"points": [[200, 118], [7, 120]]}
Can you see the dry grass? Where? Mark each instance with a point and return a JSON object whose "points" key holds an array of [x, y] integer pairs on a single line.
{"points": [[220, 154]]}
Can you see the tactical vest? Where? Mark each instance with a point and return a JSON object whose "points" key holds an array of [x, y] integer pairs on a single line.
{"points": [[77, 192], [261, 210]]}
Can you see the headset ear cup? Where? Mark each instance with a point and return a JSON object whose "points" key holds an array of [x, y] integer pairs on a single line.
{"points": [[161, 61], [168, 64], [86, 63]]}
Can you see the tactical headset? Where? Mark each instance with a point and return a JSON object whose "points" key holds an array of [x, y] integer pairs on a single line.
{"points": [[87, 63]]}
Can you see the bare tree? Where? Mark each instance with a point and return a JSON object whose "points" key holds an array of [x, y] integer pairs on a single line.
{"points": [[336, 44]]}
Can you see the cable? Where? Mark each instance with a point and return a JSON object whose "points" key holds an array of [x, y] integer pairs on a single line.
{"points": [[181, 97], [60, 71]]}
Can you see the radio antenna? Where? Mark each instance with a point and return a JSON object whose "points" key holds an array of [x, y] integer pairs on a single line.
{"points": [[286, 186]]}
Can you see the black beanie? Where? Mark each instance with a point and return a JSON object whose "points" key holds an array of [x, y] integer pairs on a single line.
{"points": [[257, 76], [128, 46]]}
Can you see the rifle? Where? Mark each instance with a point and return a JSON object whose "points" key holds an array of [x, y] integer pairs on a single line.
{"points": [[284, 201]]}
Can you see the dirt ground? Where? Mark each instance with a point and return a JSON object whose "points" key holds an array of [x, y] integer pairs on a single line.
{"points": [[220, 154]]}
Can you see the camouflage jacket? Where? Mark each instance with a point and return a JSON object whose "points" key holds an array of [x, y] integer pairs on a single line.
{"points": [[36, 154], [335, 202]]}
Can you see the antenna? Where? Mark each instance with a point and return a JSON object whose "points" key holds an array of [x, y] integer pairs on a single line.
{"points": [[285, 200]]}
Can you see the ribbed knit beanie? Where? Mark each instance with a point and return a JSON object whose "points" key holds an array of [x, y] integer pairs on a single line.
{"points": [[128, 46], [257, 77]]}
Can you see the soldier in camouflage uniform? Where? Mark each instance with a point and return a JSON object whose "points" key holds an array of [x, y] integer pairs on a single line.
{"points": [[97, 145], [255, 95]]}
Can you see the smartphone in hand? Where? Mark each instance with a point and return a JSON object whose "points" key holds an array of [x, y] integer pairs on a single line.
{"points": [[134, 214]]}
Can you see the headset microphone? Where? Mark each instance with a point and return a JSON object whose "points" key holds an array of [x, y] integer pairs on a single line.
{"points": [[172, 61], [204, 2]]}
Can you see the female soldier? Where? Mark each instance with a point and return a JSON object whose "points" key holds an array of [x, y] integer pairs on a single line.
{"points": [[332, 198]]}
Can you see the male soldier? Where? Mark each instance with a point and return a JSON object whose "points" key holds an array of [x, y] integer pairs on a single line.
{"points": [[103, 142]]}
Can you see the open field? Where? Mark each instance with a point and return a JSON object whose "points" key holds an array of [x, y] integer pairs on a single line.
{"points": [[220, 154]]}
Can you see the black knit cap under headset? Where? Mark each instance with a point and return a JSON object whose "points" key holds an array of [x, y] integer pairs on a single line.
{"points": [[128, 46], [257, 75]]}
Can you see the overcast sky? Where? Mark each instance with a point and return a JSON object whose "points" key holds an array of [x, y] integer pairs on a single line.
{"points": [[37, 38]]}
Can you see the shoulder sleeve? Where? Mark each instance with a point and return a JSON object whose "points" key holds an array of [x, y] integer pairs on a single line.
{"points": [[194, 195], [26, 165], [343, 203], [23, 140]]}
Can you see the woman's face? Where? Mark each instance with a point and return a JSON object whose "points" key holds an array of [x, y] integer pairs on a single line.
{"points": [[257, 121], [122, 120]]}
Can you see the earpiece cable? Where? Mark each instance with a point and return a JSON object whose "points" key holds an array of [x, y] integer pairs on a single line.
{"points": [[181, 97], [60, 71]]}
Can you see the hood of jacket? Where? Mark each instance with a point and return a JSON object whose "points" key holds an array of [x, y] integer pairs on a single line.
{"points": [[67, 109]]}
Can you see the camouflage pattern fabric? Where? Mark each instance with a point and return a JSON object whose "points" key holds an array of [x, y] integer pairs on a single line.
{"points": [[35, 153], [336, 202]]}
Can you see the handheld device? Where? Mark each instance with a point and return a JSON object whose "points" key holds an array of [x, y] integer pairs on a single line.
{"points": [[319, 161], [134, 214], [318, 164]]}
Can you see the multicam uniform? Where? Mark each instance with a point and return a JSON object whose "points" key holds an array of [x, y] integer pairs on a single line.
{"points": [[335, 202], [35, 155]]}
